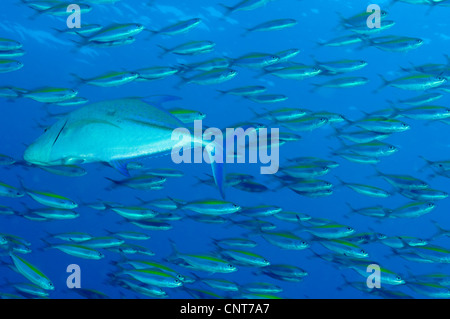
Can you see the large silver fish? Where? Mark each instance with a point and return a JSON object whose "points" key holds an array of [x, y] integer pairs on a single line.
{"points": [[114, 132]]}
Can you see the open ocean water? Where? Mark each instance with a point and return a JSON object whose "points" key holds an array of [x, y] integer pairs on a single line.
{"points": [[347, 144]]}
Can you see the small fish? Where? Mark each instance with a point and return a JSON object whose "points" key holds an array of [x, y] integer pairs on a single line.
{"points": [[110, 79], [235, 242], [261, 211], [245, 258], [179, 27], [283, 272], [142, 182], [422, 99], [153, 277], [10, 191], [134, 212], [266, 98], [190, 48], [342, 66], [79, 251], [294, 72], [245, 91], [255, 60], [155, 73], [9, 45], [278, 24], [344, 247], [393, 43], [244, 5], [215, 76], [329, 231], [9, 65], [50, 199], [211, 207], [403, 181], [31, 273], [415, 82], [285, 240], [412, 210], [51, 95], [208, 263], [115, 32], [103, 242], [367, 190]]}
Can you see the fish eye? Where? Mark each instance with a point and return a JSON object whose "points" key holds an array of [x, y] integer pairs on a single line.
{"points": [[363, 252], [180, 276], [398, 278], [404, 125], [349, 229], [430, 205], [392, 147], [230, 266], [362, 62], [177, 281], [419, 40], [304, 243]]}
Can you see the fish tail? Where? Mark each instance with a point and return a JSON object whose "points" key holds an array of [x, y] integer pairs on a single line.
{"points": [[440, 231], [217, 167], [141, 201], [197, 277], [151, 33], [396, 111], [174, 253], [115, 183], [228, 9], [179, 204], [221, 93], [428, 163], [341, 182], [200, 181], [314, 88], [353, 210], [383, 85], [246, 32], [165, 51], [336, 133], [47, 245], [78, 80]]}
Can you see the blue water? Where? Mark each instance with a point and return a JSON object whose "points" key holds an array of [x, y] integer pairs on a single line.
{"points": [[51, 58]]}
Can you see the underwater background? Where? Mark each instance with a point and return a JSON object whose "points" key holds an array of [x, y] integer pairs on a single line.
{"points": [[53, 57]]}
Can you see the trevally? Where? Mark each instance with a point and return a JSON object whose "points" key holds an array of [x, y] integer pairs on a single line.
{"points": [[112, 132]]}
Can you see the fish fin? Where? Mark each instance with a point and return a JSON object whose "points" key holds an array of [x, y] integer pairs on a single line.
{"points": [[217, 168], [79, 80], [383, 85], [120, 166], [165, 51], [175, 253], [228, 9]]}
